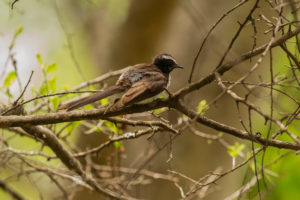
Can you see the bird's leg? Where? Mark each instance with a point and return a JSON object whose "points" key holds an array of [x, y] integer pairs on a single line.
{"points": [[169, 93]]}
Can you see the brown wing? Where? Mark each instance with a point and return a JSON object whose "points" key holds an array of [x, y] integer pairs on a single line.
{"points": [[150, 85], [135, 74]]}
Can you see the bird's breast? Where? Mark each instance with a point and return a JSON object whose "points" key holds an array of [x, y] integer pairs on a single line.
{"points": [[169, 80]]}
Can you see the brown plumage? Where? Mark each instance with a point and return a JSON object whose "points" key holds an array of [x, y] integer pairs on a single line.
{"points": [[139, 82]]}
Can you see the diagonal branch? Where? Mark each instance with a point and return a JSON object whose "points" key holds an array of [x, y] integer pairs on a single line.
{"points": [[234, 131], [50, 139], [229, 65]]}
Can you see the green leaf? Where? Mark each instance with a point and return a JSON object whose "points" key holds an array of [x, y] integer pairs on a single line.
{"points": [[158, 111], [235, 149], [202, 107], [104, 101], [88, 107], [54, 101], [52, 68], [52, 84], [7, 92], [72, 126], [163, 95], [10, 79], [111, 126], [18, 31], [118, 144], [98, 129], [43, 89], [39, 58]]}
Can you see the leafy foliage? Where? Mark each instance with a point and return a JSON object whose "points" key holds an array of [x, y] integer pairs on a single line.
{"points": [[202, 107], [235, 149]]}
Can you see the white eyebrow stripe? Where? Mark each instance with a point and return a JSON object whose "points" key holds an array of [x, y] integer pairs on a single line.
{"points": [[168, 57]]}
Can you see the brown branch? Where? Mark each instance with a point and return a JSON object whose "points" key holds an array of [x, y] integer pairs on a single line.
{"points": [[66, 157], [233, 131], [45, 96], [229, 65], [294, 58], [151, 124], [22, 93], [219, 176], [13, 121], [125, 136], [144, 172], [52, 141], [13, 4], [237, 98], [53, 118], [242, 25], [208, 34], [10, 191]]}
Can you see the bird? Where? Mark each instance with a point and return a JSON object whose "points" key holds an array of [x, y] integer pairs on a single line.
{"points": [[138, 82]]}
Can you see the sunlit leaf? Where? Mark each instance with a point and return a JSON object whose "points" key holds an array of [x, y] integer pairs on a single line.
{"points": [[54, 101], [111, 126], [88, 107], [118, 144], [52, 84], [163, 95], [18, 31], [10, 79], [104, 101], [39, 58], [43, 89], [73, 125], [158, 111], [235, 149], [7, 92], [202, 107], [52, 68], [98, 129]]}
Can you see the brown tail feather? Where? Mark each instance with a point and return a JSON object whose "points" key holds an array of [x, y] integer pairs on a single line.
{"points": [[90, 99]]}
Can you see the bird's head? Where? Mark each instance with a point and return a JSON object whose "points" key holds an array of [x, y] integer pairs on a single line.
{"points": [[166, 63]]}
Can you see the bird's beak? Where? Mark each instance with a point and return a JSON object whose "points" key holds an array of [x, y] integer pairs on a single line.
{"points": [[178, 66]]}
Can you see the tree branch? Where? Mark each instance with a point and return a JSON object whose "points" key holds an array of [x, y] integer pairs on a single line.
{"points": [[229, 65]]}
